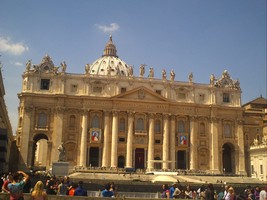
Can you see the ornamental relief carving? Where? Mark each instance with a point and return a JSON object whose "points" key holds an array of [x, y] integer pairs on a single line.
{"points": [[140, 140]]}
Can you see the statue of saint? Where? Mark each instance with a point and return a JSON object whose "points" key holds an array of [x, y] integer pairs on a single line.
{"points": [[164, 75], [255, 142], [190, 77], [142, 70], [87, 68], [28, 65], [172, 74], [212, 79], [62, 153], [130, 71], [151, 72], [63, 66]]}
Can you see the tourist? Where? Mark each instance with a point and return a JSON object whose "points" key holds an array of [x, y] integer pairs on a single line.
{"points": [[220, 195], [16, 187], [177, 192], [263, 194], [9, 179], [231, 194], [188, 192], [166, 192], [50, 186], [107, 192], [38, 192], [172, 188], [72, 189], [62, 188], [209, 194], [257, 193], [80, 191]]}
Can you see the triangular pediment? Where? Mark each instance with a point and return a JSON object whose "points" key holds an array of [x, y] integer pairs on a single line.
{"points": [[142, 94]]}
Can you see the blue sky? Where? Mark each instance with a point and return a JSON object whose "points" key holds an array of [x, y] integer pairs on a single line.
{"points": [[203, 37]]}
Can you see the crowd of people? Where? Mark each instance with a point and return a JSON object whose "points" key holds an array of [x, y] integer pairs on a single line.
{"points": [[19, 182], [207, 192]]}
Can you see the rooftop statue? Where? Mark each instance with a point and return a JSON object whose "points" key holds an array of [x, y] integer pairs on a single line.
{"points": [[190, 77], [164, 75], [151, 72], [63, 66], [28, 65], [172, 74], [142, 70]]}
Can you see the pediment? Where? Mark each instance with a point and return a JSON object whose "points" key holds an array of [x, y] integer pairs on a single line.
{"points": [[142, 94]]}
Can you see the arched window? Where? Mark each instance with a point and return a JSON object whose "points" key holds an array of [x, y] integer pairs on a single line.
{"points": [[95, 122], [20, 121], [202, 131], [42, 120], [72, 122], [157, 126], [227, 130], [181, 127], [122, 125], [140, 124]]}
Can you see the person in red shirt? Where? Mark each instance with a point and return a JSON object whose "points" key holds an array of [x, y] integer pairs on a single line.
{"points": [[7, 181]]}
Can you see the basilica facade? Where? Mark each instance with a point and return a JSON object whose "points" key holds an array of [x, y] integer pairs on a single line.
{"points": [[109, 117]]}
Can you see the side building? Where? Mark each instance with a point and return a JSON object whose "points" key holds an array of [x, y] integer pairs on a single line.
{"points": [[6, 135], [110, 118], [255, 130]]}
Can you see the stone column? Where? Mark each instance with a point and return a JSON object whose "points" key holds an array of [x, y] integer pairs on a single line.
{"points": [[129, 152], [24, 142], [48, 158], [114, 142], [83, 148], [57, 133], [241, 155], [214, 146], [165, 147], [151, 142], [173, 140], [106, 147], [193, 143]]}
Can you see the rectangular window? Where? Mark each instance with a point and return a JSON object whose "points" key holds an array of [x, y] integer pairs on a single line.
{"points": [[226, 97], [121, 139], [45, 84], [123, 90], [158, 92], [74, 88], [252, 169], [201, 97], [181, 95], [261, 169], [97, 89], [157, 141]]}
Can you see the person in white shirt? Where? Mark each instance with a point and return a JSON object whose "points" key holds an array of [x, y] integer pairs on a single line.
{"points": [[263, 194]]}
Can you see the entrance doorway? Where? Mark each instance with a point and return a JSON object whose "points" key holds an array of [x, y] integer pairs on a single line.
{"points": [[121, 161], [39, 152], [181, 159], [139, 158], [94, 157], [228, 158]]}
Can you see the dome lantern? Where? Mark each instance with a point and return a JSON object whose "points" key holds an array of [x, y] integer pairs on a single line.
{"points": [[110, 48]]}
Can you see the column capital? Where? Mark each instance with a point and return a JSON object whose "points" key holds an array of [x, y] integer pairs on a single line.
{"points": [[173, 117], [84, 111], [166, 116], [115, 113], [28, 109], [214, 120], [59, 109], [130, 114], [151, 115], [240, 121], [193, 118]]}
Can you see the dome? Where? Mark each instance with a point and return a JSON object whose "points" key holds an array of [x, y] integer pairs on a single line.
{"points": [[109, 63]]}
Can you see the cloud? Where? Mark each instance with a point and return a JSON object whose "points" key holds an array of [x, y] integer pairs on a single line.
{"points": [[18, 64], [108, 29], [6, 45]]}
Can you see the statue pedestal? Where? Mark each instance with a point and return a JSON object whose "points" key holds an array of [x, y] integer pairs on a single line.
{"points": [[60, 168]]}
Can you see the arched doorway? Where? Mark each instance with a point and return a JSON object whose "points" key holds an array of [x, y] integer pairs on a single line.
{"points": [[121, 161], [39, 152], [228, 158]]}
